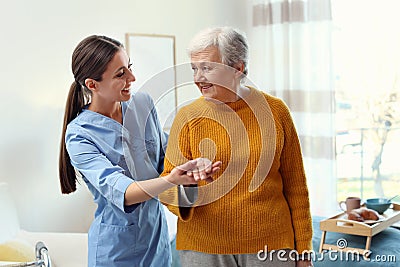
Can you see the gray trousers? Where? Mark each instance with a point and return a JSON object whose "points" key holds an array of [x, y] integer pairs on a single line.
{"points": [[197, 259]]}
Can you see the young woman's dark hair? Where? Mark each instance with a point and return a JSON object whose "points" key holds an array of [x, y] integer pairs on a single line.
{"points": [[89, 60]]}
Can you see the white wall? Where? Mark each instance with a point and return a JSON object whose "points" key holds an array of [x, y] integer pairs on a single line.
{"points": [[37, 41]]}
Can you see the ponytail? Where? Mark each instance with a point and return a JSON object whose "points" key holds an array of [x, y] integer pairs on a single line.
{"points": [[67, 174], [89, 60]]}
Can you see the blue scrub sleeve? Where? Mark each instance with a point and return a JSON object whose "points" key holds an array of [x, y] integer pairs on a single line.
{"points": [[106, 177]]}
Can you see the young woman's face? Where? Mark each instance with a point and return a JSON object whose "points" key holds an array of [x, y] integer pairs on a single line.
{"points": [[117, 79]]}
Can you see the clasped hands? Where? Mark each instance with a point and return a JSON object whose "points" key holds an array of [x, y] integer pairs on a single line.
{"points": [[193, 171]]}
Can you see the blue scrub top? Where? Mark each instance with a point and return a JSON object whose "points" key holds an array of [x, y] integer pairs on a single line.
{"points": [[111, 156]]}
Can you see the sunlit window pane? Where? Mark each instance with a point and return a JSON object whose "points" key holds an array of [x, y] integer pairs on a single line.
{"points": [[366, 61]]}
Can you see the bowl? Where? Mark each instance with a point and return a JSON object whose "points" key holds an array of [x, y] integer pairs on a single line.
{"points": [[378, 204]]}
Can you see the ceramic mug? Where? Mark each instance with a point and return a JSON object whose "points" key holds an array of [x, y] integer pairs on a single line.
{"points": [[350, 203]]}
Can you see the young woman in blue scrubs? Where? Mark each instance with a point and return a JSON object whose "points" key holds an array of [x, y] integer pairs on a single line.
{"points": [[118, 156]]}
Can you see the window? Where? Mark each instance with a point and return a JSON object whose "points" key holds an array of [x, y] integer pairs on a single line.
{"points": [[366, 60]]}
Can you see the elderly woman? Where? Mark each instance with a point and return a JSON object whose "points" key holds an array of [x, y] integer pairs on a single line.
{"points": [[256, 211]]}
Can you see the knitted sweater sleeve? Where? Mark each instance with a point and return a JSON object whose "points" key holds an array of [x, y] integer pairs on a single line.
{"points": [[295, 184]]}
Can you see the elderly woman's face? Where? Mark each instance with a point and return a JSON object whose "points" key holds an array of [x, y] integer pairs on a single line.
{"points": [[214, 79]]}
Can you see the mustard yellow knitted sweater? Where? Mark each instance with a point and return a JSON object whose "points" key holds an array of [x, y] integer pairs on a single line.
{"points": [[259, 197]]}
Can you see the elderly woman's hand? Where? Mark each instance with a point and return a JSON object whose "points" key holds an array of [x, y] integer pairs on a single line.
{"points": [[204, 169], [193, 171]]}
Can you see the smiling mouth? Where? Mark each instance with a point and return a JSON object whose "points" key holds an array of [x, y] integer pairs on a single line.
{"points": [[205, 86]]}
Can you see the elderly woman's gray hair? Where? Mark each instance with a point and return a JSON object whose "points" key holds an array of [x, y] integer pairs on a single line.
{"points": [[231, 43]]}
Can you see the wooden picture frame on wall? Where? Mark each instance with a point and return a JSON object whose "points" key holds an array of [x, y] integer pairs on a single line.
{"points": [[154, 66]]}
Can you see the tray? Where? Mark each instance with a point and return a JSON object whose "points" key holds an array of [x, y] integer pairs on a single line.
{"points": [[340, 224]]}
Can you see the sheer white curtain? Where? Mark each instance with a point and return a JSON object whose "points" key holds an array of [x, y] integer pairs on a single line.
{"points": [[290, 57]]}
